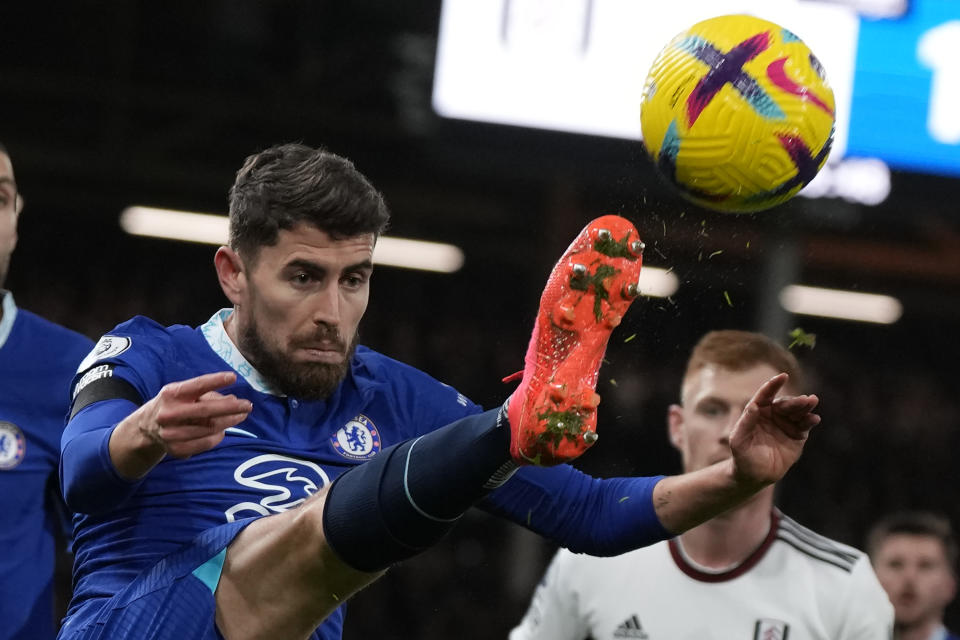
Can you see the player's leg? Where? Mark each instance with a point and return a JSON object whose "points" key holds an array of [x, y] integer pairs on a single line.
{"points": [[284, 574], [281, 578]]}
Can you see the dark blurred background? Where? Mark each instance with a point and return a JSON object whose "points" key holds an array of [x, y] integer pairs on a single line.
{"points": [[104, 104]]}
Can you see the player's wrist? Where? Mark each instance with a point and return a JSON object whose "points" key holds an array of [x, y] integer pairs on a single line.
{"points": [[742, 481], [132, 450]]}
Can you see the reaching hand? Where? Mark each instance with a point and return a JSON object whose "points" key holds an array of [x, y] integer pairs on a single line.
{"points": [[770, 434], [188, 417]]}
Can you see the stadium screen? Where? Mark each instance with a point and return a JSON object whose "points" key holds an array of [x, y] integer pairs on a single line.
{"points": [[579, 66]]}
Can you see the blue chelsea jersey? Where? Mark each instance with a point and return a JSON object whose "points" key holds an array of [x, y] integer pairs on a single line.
{"points": [[37, 360], [285, 451]]}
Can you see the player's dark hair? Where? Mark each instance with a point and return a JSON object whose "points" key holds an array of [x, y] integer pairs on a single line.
{"points": [[914, 523], [292, 183], [3, 149], [740, 350]]}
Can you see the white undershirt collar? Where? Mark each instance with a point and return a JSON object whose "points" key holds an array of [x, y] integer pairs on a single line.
{"points": [[218, 339], [940, 633], [9, 316]]}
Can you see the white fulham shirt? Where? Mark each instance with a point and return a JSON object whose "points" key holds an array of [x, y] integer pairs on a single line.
{"points": [[797, 585]]}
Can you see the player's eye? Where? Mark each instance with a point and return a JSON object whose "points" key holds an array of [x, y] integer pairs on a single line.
{"points": [[354, 280], [712, 410], [302, 278]]}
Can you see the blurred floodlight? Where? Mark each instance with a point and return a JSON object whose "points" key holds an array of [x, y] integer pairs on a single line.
{"points": [[835, 303], [877, 8], [857, 180], [175, 225], [213, 229], [658, 283], [418, 254]]}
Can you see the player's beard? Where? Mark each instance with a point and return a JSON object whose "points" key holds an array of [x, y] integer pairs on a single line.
{"points": [[304, 380]]}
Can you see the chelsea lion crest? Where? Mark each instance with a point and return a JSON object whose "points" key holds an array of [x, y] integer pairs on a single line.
{"points": [[358, 439], [13, 446]]}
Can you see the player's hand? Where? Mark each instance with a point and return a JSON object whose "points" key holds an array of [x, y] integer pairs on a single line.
{"points": [[184, 419], [770, 434], [189, 417]]}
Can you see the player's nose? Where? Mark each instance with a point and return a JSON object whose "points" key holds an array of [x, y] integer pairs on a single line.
{"points": [[326, 306]]}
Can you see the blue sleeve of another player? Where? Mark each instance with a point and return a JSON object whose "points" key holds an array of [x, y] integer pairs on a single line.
{"points": [[601, 517], [89, 481]]}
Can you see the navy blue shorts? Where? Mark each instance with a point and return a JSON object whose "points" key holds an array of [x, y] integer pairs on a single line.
{"points": [[173, 600]]}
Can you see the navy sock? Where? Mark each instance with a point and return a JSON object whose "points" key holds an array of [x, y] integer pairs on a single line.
{"points": [[410, 495]]}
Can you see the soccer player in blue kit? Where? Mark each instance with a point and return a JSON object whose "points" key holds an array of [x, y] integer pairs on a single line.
{"points": [[37, 361], [244, 478]]}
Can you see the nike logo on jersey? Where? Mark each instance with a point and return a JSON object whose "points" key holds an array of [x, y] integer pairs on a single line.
{"points": [[237, 431]]}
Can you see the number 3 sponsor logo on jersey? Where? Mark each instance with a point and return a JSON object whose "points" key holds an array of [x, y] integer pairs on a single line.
{"points": [[286, 481], [13, 446]]}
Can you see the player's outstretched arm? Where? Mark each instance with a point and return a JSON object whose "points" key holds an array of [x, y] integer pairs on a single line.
{"points": [[184, 419], [765, 442]]}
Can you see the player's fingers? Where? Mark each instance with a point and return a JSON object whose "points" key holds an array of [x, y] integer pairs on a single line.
{"points": [[193, 388], [768, 391], [181, 433], [798, 428], [795, 405], [193, 447], [197, 411], [198, 429], [225, 422], [213, 395]]}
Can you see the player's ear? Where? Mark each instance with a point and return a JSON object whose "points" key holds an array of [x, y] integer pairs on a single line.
{"points": [[231, 273], [675, 426]]}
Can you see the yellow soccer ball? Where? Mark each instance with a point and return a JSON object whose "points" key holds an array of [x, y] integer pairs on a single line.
{"points": [[737, 113]]}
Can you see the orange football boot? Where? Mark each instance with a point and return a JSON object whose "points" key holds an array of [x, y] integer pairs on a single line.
{"points": [[553, 413]]}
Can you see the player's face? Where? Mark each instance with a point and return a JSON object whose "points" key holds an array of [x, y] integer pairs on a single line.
{"points": [[8, 215], [713, 399], [302, 303], [914, 571]]}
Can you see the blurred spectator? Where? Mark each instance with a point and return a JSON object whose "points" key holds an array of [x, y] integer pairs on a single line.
{"points": [[914, 554]]}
